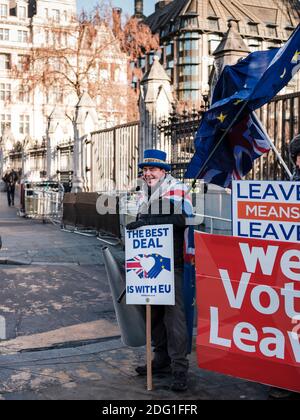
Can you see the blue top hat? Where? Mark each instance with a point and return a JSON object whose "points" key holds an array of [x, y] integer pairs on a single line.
{"points": [[155, 158]]}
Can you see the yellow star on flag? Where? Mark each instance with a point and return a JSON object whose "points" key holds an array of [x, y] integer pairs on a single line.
{"points": [[296, 57], [238, 101], [222, 117]]}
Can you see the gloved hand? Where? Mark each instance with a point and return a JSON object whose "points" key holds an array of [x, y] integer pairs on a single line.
{"points": [[135, 225], [161, 263]]}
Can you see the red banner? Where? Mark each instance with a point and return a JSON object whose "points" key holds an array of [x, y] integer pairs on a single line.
{"points": [[248, 298]]}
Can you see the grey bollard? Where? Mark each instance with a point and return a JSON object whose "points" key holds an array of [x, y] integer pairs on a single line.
{"points": [[130, 318]]}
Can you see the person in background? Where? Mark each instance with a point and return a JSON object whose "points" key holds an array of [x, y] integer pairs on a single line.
{"points": [[10, 178]]}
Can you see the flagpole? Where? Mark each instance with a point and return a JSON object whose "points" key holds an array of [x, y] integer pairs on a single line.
{"points": [[278, 155]]}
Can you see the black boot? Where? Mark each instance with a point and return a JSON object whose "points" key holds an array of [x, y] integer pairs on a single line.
{"points": [[281, 394], [157, 368], [179, 383]]}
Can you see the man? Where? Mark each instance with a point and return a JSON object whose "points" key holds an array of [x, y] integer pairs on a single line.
{"points": [[10, 178], [159, 198]]}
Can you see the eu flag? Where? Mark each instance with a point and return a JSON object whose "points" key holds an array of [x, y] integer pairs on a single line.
{"points": [[241, 89]]}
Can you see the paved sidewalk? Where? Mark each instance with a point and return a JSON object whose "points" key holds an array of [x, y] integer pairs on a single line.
{"points": [[105, 371], [61, 284], [31, 241]]}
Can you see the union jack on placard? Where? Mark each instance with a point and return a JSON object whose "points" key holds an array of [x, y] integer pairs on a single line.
{"points": [[134, 264]]}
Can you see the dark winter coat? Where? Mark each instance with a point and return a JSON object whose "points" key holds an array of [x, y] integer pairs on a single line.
{"points": [[10, 178]]}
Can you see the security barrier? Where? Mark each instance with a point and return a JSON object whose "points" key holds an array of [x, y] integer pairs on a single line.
{"points": [[43, 200], [109, 213], [80, 212], [69, 210]]}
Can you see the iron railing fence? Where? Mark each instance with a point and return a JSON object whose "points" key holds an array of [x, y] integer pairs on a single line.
{"points": [[280, 117], [110, 156], [114, 158]]}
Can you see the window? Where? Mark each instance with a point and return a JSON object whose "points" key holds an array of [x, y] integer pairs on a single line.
{"points": [[23, 62], [56, 15], [47, 37], [188, 51], [272, 31], [58, 95], [4, 34], [189, 22], [65, 39], [57, 39], [23, 94], [189, 95], [5, 91], [189, 71], [47, 13], [65, 15], [169, 49], [22, 36], [253, 28], [22, 12], [5, 62], [3, 10], [213, 23], [190, 35], [5, 122], [24, 124], [189, 77]]}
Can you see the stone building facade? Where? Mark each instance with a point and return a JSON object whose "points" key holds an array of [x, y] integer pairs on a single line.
{"points": [[34, 128], [191, 31]]}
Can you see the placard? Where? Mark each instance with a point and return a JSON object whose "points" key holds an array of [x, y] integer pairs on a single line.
{"points": [[267, 210], [248, 300], [150, 266]]}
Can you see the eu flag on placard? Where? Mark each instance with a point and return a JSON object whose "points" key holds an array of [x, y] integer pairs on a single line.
{"points": [[241, 89]]}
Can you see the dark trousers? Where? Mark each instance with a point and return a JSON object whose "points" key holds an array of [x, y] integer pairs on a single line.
{"points": [[169, 330], [11, 195]]}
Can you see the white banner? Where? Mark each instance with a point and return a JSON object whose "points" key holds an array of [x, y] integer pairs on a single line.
{"points": [[150, 266], [266, 210]]}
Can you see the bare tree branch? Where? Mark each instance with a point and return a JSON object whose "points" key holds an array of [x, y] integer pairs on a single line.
{"points": [[88, 56]]}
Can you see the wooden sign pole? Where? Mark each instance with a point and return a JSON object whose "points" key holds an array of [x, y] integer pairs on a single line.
{"points": [[149, 349]]}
